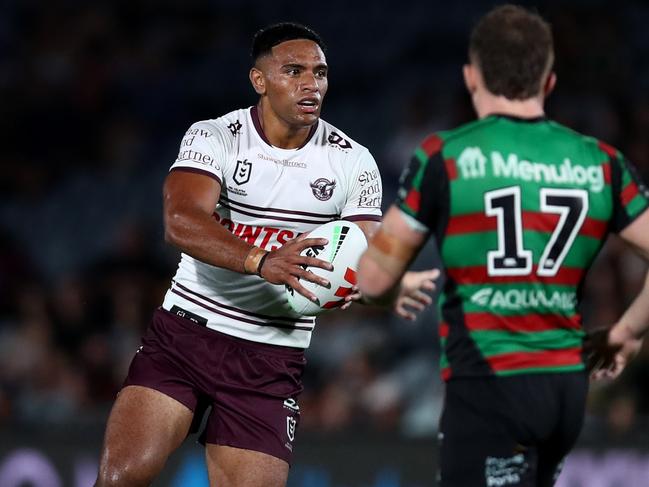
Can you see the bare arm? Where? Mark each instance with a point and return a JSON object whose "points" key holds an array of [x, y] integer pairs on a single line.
{"points": [[189, 203], [636, 317], [382, 276], [612, 349], [391, 250]]}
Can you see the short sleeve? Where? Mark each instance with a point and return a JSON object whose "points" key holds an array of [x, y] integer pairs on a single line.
{"points": [[423, 186], [203, 149], [630, 193], [365, 191]]}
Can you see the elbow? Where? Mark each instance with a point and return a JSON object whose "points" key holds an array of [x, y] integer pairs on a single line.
{"points": [[173, 224]]}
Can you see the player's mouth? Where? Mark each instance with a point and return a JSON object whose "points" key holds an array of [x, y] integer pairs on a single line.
{"points": [[309, 105]]}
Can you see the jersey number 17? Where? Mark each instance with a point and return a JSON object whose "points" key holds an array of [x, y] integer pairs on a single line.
{"points": [[511, 258]]}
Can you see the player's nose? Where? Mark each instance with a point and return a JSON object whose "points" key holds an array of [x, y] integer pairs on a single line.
{"points": [[309, 82]]}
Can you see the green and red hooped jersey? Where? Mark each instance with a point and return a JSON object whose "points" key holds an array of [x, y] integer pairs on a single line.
{"points": [[519, 209]]}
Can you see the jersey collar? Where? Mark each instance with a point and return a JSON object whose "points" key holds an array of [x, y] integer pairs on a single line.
{"points": [[541, 118], [254, 114]]}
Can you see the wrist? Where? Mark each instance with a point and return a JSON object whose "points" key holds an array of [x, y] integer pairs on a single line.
{"points": [[623, 331], [254, 260]]}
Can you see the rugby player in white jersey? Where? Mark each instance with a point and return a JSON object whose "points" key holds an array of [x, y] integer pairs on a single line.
{"points": [[243, 189]]}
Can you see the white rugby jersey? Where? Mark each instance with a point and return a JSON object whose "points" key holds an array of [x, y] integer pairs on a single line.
{"points": [[268, 196]]}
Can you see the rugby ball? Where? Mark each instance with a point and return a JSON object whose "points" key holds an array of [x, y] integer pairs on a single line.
{"points": [[347, 243]]}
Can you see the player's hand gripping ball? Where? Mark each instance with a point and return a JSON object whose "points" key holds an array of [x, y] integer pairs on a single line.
{"points": [[347, 243]]}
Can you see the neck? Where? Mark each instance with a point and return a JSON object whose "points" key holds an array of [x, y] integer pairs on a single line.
{"points": [[277, 132], [487, 104]]}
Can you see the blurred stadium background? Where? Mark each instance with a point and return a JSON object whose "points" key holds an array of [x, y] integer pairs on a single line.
{"points": [[94, 99]]}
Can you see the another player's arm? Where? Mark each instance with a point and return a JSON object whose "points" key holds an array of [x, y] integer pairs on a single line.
{"points": [[635, 321], [610, 350], [405, 291], [391, 250], [189, 202]]}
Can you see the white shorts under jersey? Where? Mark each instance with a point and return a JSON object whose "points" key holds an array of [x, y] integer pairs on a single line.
{"points": [[268, 196]]}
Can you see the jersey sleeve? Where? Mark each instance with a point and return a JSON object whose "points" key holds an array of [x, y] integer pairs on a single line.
{"points": [[423, 186], [204, 149], [364, 191], [630, 193]]}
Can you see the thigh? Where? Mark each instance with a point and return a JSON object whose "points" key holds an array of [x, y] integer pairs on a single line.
{"points": [[479, 443], [144, 427], [255, 405], [235, 467]]}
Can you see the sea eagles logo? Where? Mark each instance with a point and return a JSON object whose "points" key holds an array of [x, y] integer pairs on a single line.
{"points": [[323, 188], [242, 172]]}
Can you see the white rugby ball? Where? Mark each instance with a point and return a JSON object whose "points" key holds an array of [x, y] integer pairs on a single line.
{"points": [[347, 243]]}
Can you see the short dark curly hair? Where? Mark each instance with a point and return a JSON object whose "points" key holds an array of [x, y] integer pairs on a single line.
{"points": [[514, 50], [268, 37]]}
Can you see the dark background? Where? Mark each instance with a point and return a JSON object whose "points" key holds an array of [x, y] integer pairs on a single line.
{"points": [[94, 99]]}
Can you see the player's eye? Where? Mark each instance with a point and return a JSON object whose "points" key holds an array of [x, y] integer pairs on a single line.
{"points": [[293, 71], [321, 73]]}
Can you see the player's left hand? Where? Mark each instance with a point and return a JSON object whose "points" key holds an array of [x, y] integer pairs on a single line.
{"points": [[413, 297], [610, 350]]}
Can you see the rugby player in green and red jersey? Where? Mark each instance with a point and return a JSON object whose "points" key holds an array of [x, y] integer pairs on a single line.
{"points": [[519, 207]]}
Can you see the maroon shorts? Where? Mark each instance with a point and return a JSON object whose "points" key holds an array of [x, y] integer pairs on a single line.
{"points": [[252, 387]]}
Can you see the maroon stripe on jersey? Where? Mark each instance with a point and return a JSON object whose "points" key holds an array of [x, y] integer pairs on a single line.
{"points": [[524, 360], [569, 276], [243, 311], [239, 318], [629, 192], [279, 210], [363, 218], [540, 222], [432, 145], [609, 150], [525, 323], [451, 168], [273, 217], [606, 168], [197, 171], [254, 115]]}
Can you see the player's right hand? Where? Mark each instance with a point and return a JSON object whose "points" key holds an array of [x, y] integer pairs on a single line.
{"points": [[285, 265]]}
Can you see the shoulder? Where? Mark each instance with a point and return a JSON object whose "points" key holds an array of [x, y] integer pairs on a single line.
{"points": [[435, 143], [592, 144], [226, 127], [337, 140]]}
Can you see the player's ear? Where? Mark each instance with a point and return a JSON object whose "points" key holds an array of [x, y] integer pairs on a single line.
{"points": [[468, 70], [257, 80], [550, 83]]}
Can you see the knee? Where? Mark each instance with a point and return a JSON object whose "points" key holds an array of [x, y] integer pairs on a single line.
{"points": [[127, 474]]}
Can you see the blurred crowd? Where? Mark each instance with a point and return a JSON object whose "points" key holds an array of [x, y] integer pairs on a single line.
{"points": [[94, 99]]}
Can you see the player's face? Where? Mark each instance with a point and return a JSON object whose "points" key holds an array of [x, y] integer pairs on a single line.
{"points": [[295, 81]]}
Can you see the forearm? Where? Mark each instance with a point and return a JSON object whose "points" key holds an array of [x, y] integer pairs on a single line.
{"points": [[197, 234], [636, 318]]}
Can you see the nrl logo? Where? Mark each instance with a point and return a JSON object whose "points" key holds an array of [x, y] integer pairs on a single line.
{"points": [[323, 188], [242, 172], [290, 428]]}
